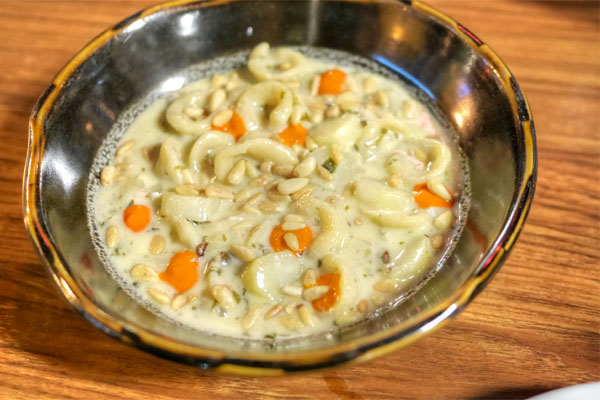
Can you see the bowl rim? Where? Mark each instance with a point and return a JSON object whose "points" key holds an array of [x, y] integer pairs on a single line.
{"points": [[249, 363]]}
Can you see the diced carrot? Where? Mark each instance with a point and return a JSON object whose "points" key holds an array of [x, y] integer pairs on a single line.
{"points": [[332, 82], [136, 217], [304, 236], [182, 271], [425, 198], [235, 126], [293, 134], [329, 299]]}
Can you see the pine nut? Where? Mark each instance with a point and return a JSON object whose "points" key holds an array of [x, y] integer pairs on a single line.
{"points": [[217, 98], [444, 220], [292, 185], [358, 222], [369, 84], [254, 199], [217, 81], [158, 295], [305, 168], [182, 300], [218, 191], [292, 290], [285, 66], [242, 195], [305, 315], [108, 175], [381, 98], [243, 253], [293, 218], [187, 189], [439, 189], [314, 292], [266, 166], [187, 176], [385, 286], [271, 207], [409, 109], [437, 241], [314, 85], [253, 232], [309, 278], [222, 117], [310, 144], [350, 106], [250, 317], [251, 170], [282, 170], [143, 273], [291, 322], [395, 180], [291, 308], [274, 195], [324, 174], [363, 306], [223, 296], [259, 181], [291, 241], [193, 112], [333, 111], [336, 153], [350, 84], [292, 225], [317, 116], [157, 245], [236, 174], [307, 191], [378, 299], [273, 311], [124, 148], [112, 235], [250, 209]]}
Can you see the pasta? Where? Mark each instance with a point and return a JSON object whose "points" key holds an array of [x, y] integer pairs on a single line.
{"points": [[291, 197]]}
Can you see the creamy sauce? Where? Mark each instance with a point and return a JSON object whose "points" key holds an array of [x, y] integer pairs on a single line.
{"points": [[371, 189]]}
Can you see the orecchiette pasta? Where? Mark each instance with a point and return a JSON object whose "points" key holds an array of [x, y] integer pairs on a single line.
{"points": [[275, 64], [272, 96], [293, 197]]}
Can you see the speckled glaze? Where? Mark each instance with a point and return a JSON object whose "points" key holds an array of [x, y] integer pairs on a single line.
{"points": [[140, 56]]}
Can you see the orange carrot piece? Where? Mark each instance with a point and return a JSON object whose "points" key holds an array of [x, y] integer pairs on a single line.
{"points": [[182, 271], [136, 217], [332, 82], [304, 236], [329, 299], [235, 126], [425, 198], [293, 134]]}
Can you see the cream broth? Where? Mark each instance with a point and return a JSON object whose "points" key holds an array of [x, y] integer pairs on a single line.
{"points": [[285, 198]]}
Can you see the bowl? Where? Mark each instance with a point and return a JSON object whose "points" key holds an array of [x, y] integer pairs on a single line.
{"points": [[149, 53]]}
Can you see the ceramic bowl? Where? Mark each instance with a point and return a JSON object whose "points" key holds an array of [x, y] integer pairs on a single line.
{"points": [[149, 52]]}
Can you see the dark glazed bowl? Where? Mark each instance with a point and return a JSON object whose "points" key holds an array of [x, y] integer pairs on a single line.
{"points": [[123, 65]]}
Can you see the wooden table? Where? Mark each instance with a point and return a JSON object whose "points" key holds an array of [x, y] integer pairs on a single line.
{"points": [[534, 328]]}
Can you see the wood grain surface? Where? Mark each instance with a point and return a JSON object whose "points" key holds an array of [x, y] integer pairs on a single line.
{"points": [[534, 328]]}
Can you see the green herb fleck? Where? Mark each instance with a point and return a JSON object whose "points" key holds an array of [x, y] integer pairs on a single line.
{"points": [[237, 296], [194, 222], [330, 165]]}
